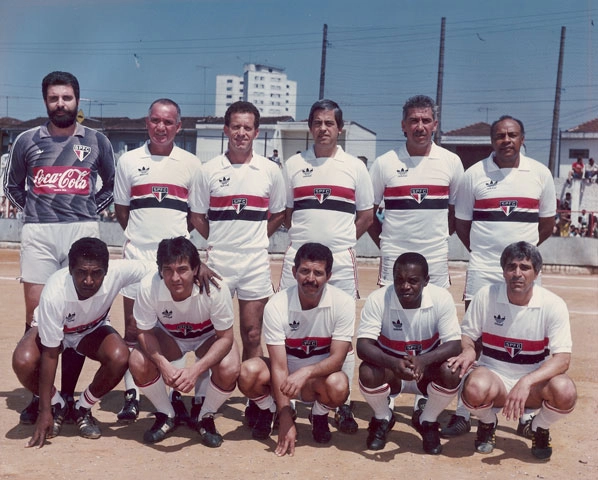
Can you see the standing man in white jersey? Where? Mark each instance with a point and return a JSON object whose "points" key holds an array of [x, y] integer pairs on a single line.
{"points": [[329, 201], [73, 312], [526, 352], [418, 184], [150, 200], [51, 177], [237, 203], [502, 199]]}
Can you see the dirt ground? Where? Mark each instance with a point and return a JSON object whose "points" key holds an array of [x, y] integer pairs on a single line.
{"points": [[120, 452]]}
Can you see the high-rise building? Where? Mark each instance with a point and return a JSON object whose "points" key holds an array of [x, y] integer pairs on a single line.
{"points": [[265, 86]]}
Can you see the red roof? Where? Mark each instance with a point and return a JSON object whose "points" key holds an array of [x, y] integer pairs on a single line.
{"points": [[587, 127], [480, 129]]}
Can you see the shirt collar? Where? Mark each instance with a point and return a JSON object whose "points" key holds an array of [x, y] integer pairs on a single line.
{"points": [[225, 162], [396, 304], [44, 132], [295, 304]]}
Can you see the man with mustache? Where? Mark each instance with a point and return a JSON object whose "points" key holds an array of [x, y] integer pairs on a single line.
{"points": [[308, 329], [330, 201], [51, 177]]}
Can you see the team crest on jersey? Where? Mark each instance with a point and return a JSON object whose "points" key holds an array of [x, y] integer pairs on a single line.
{"points": [[498, 320], [508, 206], [184, 328], [513, 348], [143, 170], [160, 192], [492, 184], [82, 151], [414, 349], [322, 194], [397, 325], [224, 181], [239, 204], [403, 172], [307, 171], [294, 325], [419, 194], [167, 313], [308, 345], [70, 317]]}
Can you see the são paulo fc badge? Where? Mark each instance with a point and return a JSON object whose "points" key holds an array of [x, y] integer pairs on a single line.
{"points": [[322, 194], [239, 204], [160, 192], [419, 194], [508, 206], [82, 151]]}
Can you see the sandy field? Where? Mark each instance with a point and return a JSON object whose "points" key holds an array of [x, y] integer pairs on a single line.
{"points": [[120, 452]]}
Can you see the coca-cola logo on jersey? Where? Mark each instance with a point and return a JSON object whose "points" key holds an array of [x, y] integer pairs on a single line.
{"points": [[60, 180]]}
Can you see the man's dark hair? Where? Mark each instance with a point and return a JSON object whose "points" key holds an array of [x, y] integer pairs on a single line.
{"points": [[506, 117], [314, 252], [89, 248], [166, 101], [178, 249], [521, 251], [410, 258], [326, 104], [242, 107], [419, 101], [60, 78]]}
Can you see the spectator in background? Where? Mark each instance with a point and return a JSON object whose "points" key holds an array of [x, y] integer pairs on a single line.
{"points": [[576, 171], [275, 158], [591, 173]]}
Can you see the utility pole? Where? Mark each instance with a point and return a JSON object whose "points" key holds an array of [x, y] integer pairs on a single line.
{"points": [[437, 135], [323, 65], [557, 107]]}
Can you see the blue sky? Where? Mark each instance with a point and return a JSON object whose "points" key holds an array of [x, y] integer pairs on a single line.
{"points": [[500, 58]]}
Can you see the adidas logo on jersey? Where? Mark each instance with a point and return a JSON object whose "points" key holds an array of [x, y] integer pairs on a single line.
{"points": [[403, 172], [498, 320], [492, 183], [70, 317], [224, 181], [397, 325], [307, 172], [294, 325], [167, 313], [143, 170]]}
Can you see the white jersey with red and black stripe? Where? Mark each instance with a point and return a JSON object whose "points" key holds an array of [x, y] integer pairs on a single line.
{"points": [[197, 317], [517, 339], [53, 179], [400, 332], [325, 194], [308, 334], [156, 190], [504, 206], [416, 192], [60, 312], [237, 199]]}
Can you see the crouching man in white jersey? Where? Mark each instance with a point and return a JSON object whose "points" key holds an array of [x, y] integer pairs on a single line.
{"points": [[526, 350], [308, 329], [73, 313], [174, 318]]}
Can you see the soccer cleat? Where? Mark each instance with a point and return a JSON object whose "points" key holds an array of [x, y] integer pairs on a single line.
{"points": [[161, 427], [208, 433], [378, 430], [456, 426], [263, 426], [59, 413], [30, 413], [485, 437], [421, 404], [251, 413], [130, 410], [525, 429], [196, 405], [541, 448], [180, 411], [88, 428], [430, 432], [344, 419], [320, 430]]}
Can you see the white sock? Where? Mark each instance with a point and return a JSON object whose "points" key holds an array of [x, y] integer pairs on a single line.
{"points": [[320, 409], [57, 398], [547, 416], [155, 391], [129, 382], [485, 413], [86, 400], [215, 397], [438, 399], [348, 369], [265, 402], [377, 398]]}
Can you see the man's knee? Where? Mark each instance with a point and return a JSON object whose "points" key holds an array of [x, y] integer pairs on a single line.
{"points": [[253, 373], [563, 392], [337, 388], [446, 377]]}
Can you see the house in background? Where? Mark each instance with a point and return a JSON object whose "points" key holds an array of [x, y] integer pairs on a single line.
{"points": [[580, 141]]}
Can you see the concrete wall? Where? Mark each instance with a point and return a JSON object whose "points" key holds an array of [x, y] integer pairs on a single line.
{"points": [[569, 251]]}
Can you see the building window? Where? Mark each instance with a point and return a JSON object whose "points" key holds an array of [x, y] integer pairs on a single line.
{"points": [[579, 152]]}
